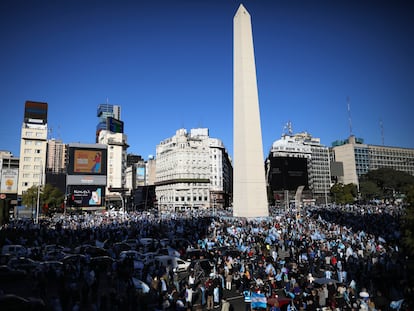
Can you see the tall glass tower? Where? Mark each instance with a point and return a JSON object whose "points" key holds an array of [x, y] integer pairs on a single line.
{"points": [[103, 112]]}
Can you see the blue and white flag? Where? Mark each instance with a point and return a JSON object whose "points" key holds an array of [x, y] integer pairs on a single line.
{"points": [[259, 301]]}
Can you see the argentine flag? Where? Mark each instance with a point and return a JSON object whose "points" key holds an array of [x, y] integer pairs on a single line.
{"points": [[259, 301]]}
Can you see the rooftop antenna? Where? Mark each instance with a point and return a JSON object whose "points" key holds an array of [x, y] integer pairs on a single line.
{"points": [[58, 132], [349, 116], [287, 129], [382, 132], [50, 130]]}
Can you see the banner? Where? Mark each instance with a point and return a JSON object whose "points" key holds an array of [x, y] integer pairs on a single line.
{"points": [[9, 180]]}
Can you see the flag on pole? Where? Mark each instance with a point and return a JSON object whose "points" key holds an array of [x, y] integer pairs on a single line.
{"points": [[258, 301]]}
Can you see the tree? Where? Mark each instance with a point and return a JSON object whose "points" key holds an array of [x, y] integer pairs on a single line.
{"points": [[344, 194], [389, 181], [29, 198], [49, 196], [369, 190]]}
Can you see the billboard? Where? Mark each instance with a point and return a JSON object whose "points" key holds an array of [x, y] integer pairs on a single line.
{"points": [[87, 196], [9, 180], [114, 125], [87, 161], [35, 112], [288, 173]]}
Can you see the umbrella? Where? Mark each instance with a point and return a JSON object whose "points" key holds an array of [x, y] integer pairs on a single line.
{"points": [[322, 281]]}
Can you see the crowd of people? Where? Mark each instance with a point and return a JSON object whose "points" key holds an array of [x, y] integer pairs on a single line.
{"points": [[313, 258]]}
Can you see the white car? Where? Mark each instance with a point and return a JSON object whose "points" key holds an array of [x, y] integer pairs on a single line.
{"points": [[177, 264]]}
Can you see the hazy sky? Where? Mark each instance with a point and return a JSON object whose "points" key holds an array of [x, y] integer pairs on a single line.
{"points": [[169, 65]]}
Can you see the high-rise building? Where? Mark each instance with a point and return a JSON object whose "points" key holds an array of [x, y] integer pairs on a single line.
{"points": [[192, 171], [249, 186], [56, 156], [358, 158], [110, 132], [104, 112], [33, 146]]}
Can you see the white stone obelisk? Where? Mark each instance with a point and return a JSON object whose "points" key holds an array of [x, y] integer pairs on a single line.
{"points": [[249, 183]]}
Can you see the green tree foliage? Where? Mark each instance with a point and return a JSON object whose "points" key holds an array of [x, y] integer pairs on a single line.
{"points": [[49, 196], [52, 196], [369, 190], [389, 181], [29, 198], [344, 194]]}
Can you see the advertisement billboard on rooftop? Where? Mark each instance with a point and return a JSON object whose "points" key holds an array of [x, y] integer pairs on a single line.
{"points": [[288, 173], [35, 112], [87, 161]]}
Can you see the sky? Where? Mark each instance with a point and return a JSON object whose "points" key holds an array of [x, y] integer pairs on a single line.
{"points": [[331, 68]]}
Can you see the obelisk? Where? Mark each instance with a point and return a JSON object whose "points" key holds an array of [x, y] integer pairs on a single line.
{"points": [[249, 183]]}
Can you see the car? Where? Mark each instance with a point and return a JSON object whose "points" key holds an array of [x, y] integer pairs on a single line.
{"points": [[74, 259], [177, 264], [168, 251], [14, 249], [135, 255], [91, 250], [23, 263], [201, 267], [133, 243], [148, 244], [196, 253]]}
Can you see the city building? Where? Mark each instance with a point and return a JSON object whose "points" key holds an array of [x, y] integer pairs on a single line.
{"points": [[192, 171], [56, 156], [56, 164], [104, 112], [110, 132], [357, 158], [299, 160], [33, 146]]}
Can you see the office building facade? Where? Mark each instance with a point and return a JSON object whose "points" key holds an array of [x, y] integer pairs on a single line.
{"points": [[359, 158], [299, 160], [33, 146], [192, 171]]}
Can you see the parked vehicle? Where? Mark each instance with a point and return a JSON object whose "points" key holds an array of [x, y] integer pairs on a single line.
{"points": [[15, 250], [23, 263], [177, 264]]}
